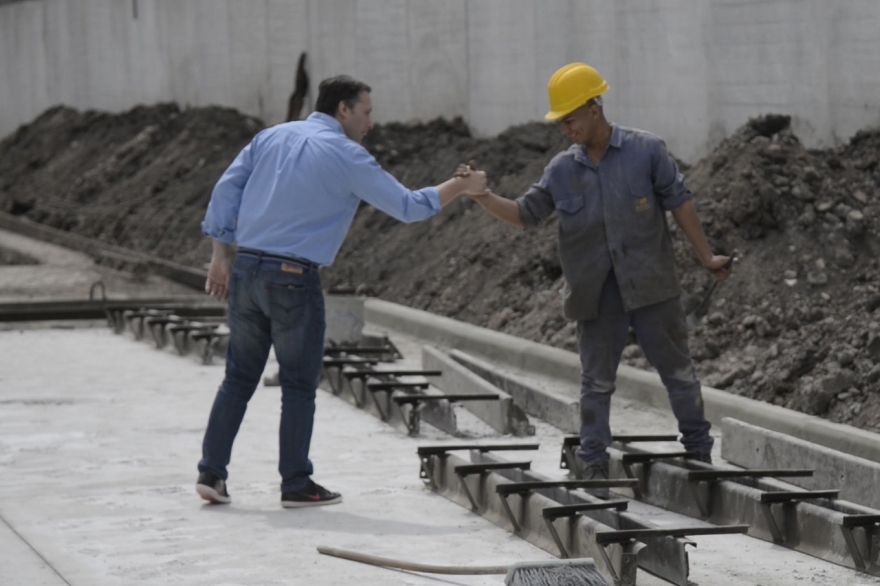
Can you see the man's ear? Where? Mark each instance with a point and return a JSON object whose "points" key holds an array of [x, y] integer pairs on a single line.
{"points": [[342, 109]]}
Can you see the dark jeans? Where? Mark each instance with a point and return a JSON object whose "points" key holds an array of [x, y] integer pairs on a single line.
{"points": [[280, 304], [661, 331]]}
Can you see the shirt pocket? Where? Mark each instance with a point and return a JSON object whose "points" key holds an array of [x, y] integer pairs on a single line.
{"points": [[571, 204], [640, 193]]}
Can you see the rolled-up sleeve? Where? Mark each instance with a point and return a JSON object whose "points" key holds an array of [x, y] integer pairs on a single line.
{"points": [[670, 186], [222, 215], [378, 188], [537, 204]]}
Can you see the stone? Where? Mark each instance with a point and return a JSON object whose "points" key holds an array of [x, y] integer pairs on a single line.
{"points": [[843, 257], [790, 274], [817, 279], [715, 318], [846, 357], [860, 196], [874, 349]]}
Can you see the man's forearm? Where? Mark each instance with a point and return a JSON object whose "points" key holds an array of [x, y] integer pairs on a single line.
{"points": [[502, 208], [687, 219]]}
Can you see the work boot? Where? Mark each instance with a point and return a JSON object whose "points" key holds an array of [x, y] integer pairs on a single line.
{"points": [[313, 495], [704, 457], [598, 471], [212, 488]]}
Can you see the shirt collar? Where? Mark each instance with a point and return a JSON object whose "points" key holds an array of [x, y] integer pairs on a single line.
{"points": [[580, 151], [616, 136], [327, 120]]}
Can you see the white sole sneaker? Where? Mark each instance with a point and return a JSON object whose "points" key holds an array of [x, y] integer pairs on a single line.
{"points": [[210, 494]]}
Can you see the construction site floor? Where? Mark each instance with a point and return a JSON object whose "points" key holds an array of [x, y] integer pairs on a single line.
{"points": [[99, 439]]}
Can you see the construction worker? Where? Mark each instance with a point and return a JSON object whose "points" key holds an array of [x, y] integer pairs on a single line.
{"points": [[611, 190], [287, 202]]}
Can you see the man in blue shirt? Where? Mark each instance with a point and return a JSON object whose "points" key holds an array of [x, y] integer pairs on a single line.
{"points": [[287, 202], [611, 190]]}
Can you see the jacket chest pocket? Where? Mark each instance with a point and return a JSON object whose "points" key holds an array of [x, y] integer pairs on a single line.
{"points": [[571, 210], [571, 204], [639, 194]]}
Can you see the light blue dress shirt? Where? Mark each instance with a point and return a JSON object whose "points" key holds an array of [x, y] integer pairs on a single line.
{"points": [[294, 191]]}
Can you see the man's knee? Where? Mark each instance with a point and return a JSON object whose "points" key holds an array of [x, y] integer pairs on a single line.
{"points": [[600, 387]]}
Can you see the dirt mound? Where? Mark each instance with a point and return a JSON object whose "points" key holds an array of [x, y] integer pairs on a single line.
{"points": [[141, 179], [796, 326]]}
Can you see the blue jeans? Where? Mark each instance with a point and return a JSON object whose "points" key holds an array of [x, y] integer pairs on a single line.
{"points": [[661, 331], [280, 304]]}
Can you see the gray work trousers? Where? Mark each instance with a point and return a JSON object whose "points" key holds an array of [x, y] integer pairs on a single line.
{"points": [[661, 331]]}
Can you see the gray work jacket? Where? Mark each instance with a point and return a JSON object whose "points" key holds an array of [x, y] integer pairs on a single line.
{"points": [[612, 215]]}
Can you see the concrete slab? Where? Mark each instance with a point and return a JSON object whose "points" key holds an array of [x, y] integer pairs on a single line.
{"points": [[751, 446], [21, 564], [504, 416], [98, 449]]}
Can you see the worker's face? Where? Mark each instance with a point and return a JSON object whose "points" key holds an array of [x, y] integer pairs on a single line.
{"points": [[356, 121], [581, 126]]}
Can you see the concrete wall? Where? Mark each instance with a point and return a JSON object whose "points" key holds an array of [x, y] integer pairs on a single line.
{"points": [[689, 70]]}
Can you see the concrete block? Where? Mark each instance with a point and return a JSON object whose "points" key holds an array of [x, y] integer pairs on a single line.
{"points": [[288, 30], [332, 38], [249, 55], [501, 64], [504, 416], [437, 63], [558, 410], [751, 446], [345, 319], [382, 56]]}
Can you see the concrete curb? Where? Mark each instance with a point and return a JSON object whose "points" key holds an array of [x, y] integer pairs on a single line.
{"points": [[504, 416], [555, 409], [633, 384], [750, 446]]}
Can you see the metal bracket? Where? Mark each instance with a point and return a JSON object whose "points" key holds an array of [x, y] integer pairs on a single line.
{"points": [[863, 560], [627, 460], [428, 453], [768, 499], [466, 470], [550, 514], [702, 482]]}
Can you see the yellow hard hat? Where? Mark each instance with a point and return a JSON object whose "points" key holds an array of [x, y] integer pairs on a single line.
{"points": [[571, 87]]}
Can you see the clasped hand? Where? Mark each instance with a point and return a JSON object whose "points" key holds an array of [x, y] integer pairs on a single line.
{"points": [[476, 180]]}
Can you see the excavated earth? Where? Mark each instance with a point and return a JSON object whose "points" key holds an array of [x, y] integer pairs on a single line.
{"points": [[797, 325]]}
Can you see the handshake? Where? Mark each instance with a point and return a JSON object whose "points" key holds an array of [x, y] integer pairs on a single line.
{"points": [[473, 180]]}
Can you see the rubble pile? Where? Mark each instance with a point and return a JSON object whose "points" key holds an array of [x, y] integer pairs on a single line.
{"points": [[798, 325]]}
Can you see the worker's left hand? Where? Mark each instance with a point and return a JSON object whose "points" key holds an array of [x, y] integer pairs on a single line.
{"points": [[217, 284], [722, 266]]}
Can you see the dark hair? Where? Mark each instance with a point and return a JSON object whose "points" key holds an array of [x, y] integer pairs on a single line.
{"points": [[341, 88]]}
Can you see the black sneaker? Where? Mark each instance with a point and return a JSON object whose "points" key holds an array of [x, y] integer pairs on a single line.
{"points": [[313, 495], [212, 488], [597, 472], [704, 457]]}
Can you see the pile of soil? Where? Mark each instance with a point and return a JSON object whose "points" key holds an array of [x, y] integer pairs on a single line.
{"points": [[141, 179], [795, 326]]}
